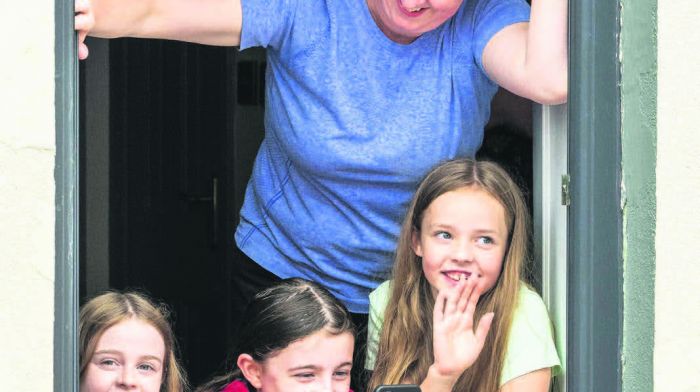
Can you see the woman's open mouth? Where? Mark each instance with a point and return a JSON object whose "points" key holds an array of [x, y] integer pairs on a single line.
{"points": [[411, 12]]}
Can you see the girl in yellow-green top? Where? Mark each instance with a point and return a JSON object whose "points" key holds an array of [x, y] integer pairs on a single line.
{"points": [[458, 315]]}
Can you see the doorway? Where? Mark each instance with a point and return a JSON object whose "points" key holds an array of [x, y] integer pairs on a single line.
{"points": [[593, 364]]}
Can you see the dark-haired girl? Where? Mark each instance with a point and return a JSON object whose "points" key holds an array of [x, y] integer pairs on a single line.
{"points": [[295, 337]]}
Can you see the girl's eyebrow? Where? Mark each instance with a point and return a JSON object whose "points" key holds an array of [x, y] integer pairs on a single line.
{"points": [[478, 232], [151, 357], [449, 226], [117, 352], [487, 231], [108, 352], [304, 367], [314, 367], [440, 226]]}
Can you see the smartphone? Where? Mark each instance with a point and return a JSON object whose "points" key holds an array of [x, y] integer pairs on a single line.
{"points": [[397, 388]]}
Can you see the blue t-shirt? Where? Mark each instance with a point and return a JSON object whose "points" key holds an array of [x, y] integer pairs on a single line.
{"points": [[353, 121]]}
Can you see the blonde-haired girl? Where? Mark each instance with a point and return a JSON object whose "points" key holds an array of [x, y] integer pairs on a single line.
{"points": [[127, 343], [457, 315]]}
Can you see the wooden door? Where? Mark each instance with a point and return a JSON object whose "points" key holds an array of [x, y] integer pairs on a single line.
{"points": [[179, 161]]}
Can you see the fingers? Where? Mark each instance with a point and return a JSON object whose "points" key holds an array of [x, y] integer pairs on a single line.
{"points": [[467, 293], [439, 308], [82, 6], [458, 299], [455, 295], [82, 51], [473, 299], [483, 329], [82, 47], [84, 21]]}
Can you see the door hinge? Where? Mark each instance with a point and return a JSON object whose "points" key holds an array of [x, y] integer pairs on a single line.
{"points": [[565, 190]]}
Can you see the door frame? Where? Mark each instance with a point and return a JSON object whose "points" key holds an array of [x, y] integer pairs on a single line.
{"points": [[594, 325], [550, 223], [66, 172]]}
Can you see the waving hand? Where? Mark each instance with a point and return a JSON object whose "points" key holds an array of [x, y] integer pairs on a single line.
{"points": [[456, 345]]}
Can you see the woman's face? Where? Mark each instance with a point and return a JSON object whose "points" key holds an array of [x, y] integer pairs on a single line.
{"points": [[405, 20], [320, 362], [129, 356]]}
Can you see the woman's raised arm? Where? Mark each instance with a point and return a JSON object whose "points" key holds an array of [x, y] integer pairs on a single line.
{"points": [[211, 22], [530, 59]]}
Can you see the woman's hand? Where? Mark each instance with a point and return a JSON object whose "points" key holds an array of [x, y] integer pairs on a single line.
{"points": [[84, 21], [456, 345]]}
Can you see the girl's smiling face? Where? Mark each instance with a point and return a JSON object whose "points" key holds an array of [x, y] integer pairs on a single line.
{"points": [[128, 356], [403, 21], [463, 234], [320, 362]]}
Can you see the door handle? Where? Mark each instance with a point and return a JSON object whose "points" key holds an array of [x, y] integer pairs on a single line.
{"points": [[213, 199]]}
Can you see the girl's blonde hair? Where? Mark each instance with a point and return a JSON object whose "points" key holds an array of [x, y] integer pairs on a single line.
{"points": [[406, 343], [111, 308]]}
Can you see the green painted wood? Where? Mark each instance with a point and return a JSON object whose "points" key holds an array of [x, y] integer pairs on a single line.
{"points": [[638, 99], [595, 243], [66, 173]]}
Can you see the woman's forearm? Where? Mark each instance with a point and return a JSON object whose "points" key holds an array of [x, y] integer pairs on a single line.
{"points": [[120, 18], [213, 22], [530, 59], [546, 57]]}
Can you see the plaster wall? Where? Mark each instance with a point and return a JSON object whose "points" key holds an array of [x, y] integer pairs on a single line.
{"points": [[27, 149], [677, 300], [638, 70]]}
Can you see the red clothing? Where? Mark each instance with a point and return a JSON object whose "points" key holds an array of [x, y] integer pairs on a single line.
{"points": [[236, 386]]}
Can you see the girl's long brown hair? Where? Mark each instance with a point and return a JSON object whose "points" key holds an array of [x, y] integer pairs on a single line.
{"points": [[111, 308], [406, 342]]}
